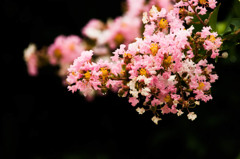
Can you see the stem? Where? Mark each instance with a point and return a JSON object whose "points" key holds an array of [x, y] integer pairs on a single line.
{"points": [[118, 78], [180, 86], [201, 21], [229, 37]]}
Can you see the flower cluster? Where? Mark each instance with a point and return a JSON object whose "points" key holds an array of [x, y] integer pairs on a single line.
{"points": [[165, 71], [102, 38]]}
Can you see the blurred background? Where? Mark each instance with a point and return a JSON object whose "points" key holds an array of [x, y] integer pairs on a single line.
{"points": [[40, 119]]}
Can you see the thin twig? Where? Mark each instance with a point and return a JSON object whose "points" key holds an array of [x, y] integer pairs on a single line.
{"points": [[197, 15]]}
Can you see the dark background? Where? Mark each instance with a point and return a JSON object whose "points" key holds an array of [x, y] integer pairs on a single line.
{"points": [[40, 119]]}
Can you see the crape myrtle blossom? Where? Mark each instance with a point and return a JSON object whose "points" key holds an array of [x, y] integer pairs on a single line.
{"points": [[63, 51], [101, 37], [166, 71], [31, 59]]}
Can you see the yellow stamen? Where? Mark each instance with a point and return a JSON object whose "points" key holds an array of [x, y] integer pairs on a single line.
{"points": [[127, 55], [72, 47], [202, 1], [168, 60], [122, 72], [87, 75], [167, 98], [163, 23], [119, 38], [212, 38], [201, 86], [143, 72], [74, 74], [154, 48], [104, 71], [57, 53]]}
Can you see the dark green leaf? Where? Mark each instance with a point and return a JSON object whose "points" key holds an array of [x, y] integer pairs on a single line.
{"points": [[236, 8], [233, 25], [213, 20]]}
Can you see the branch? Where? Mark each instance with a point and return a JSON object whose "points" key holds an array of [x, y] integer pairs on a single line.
{"points": [[201, 21]]}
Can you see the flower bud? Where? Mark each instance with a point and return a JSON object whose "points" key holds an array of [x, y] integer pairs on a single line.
{"points": [[225, 55]]}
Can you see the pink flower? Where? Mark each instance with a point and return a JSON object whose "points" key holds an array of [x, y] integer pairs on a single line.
{"points": [[135, 7], [213, 78], [202, 11], [173, 109], [155, 102], [65, 49], [122, 30], [212, 3], [163, 68], [165, 109], [134, 101], [31, 59], [93, 29]]}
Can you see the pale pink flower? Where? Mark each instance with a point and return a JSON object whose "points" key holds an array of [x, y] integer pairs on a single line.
{"points": [[191, 116], [134, 7], [212, 3], [155, 102], [31, 59], [202, 11], [140, 110], [93, 29], [65, 49], [156, 119], [165, 109], [179, 112], [134, 101]]}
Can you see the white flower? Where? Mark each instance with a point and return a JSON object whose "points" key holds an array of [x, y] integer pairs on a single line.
{"points": [[145, 79], [140, 110], [156, 119], [134, 93], [197, 102], [145, 19], [145, 91], [191, 116], [172, 78], [131, 84], [179, 112], [93, 33], [175, 102], [153, 10], [29, 51]]}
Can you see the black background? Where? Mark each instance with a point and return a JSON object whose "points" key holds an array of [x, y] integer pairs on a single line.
{"points": [[40, 119]]}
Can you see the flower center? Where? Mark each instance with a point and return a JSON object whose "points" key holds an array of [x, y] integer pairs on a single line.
{"points": [[212, 38], [143, 72], [167, 98], [202, 1], [104, 73], [201, 86], [163, 23], [154, 48], [87, 75], [127, 55], [57, 53], [119, 38], [72, 47], [167, 61]]}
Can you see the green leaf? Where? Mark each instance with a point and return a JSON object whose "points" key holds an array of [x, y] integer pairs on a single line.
{"points": [[231, 40], [198, 26], [233, 25], [236, 7], [213, 20]]}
